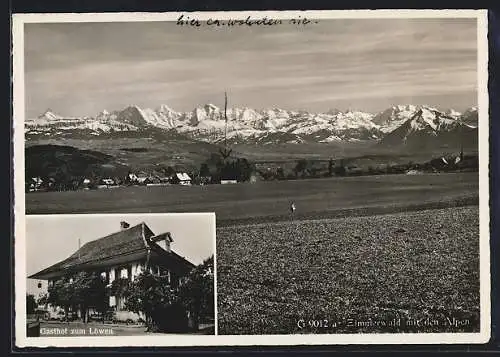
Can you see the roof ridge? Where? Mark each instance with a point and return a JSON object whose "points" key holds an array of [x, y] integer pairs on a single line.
{"points": [[118, 243], [181, 257], [143, 234], [106, 236], [50, 268]]}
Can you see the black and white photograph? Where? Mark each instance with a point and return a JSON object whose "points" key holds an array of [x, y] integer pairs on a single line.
{"points": [[343, 153], [101, 275]]}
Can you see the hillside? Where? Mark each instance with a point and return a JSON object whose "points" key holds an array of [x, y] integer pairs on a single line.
{"points": [[139, 153], [66, 162]]}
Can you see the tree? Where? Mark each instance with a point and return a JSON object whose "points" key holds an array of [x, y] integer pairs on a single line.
{"points": [[30, 304], [169, 171], [301, 167], [331, 166], [60, 294], [83, 289], [43, 299], [154, 296], [280, 173], [239, 169], [120, 286], [204, 170], [244, 169], [197, 292], [341, 170], [90, 291]]}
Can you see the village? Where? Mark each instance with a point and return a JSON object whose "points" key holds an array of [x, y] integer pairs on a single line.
{"points": [[139, 178], [239, 170]]}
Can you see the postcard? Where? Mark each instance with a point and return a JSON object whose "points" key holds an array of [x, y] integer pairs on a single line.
{"points": [[251, 178]]}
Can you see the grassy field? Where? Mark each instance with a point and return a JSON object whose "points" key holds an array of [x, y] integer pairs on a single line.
{"points": [[177, 151], [142, 153], [392, 253], [269, 201], [405, 272]]}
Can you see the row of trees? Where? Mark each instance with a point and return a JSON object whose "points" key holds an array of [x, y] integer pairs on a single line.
{"points": [[167, 308], [218, 168], [212, 170], [304, 168]]}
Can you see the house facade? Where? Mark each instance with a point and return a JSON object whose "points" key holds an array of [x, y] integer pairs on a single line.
{"points": [[124, 254], [181, 178]]}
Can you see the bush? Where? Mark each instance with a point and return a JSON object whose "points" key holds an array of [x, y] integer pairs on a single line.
{"points": [[171, 318], [30, 304]]}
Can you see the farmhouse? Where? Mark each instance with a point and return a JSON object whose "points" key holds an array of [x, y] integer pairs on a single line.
{"points": [[131, 177], [107, 182], [34, 184], [181, 178], [205, 180], [228, 182], [142, 177], [152, 180], [164, 179], [123, 254]]}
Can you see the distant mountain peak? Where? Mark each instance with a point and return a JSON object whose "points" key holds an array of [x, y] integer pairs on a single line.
{"points": [[166, 109], [49, 115], [452, 112], [211, 106], [247, 125], [333, 111], [430, 126]]}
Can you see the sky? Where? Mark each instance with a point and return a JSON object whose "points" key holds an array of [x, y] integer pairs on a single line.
{"points": [[78, 69], [52, 238]]}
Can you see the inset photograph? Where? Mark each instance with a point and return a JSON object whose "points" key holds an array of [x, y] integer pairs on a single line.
{"points": [[99, 275], [343, 154]]}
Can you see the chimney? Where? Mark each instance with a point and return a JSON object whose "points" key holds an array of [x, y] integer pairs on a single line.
{"points": [[124, 225], [163, 240]]}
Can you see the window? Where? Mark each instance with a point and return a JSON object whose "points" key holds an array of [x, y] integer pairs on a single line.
{"points": [[124, 273], [121, 303], [111, 275]]}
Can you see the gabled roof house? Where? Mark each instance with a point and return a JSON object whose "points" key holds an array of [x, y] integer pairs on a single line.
{"points": [[181, 178], [123, 254]]}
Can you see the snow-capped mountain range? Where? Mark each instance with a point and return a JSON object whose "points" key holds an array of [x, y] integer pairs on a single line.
{"points": [[246, 125]]}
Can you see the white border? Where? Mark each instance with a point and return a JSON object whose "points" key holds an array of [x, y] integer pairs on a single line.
{"points": [[245, 340]]}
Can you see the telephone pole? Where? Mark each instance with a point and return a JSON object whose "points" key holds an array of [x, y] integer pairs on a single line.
{"points": [[225, 152]]}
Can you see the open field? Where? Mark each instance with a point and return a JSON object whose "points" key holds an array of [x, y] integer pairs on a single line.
{"points": [[264, 201], [405, 272], [350, 151], [142, 153], [362, 254], [177, 151]]}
